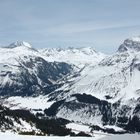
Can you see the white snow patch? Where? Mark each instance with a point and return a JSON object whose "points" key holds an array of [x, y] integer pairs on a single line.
{"points": [[40, 102], [116, 128], [78, 127]]}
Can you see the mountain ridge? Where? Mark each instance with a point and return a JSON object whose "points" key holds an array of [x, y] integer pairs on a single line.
{"points": [[77, 56]]}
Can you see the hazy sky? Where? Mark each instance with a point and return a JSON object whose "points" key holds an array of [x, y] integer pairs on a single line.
{"points": [[102, 24]]}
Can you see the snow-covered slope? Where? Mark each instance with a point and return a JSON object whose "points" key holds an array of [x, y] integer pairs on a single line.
{"points": [[77, 56], [106, 93], [35, 103], [8, 136], [115, 77]]}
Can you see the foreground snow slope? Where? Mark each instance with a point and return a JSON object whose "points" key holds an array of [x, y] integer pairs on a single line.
{"points": [[123, 137], [9, 136]]}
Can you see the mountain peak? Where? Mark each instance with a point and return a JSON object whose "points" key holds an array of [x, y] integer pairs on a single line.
{"points": [[19, 44], [130, 43]]}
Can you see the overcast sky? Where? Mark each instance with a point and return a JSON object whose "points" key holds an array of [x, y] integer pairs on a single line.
{"points": [[102, 24]]}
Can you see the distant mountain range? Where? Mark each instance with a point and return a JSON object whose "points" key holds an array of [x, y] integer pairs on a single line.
{"points": [[76, 84]]}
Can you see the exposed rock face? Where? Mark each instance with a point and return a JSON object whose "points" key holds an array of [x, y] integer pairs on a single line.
{"points": [[131, 43]]}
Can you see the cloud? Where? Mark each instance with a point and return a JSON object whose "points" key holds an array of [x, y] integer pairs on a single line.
{"points": [[87, 27]]}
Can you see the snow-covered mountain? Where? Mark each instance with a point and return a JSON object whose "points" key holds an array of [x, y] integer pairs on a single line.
{"points": [[104, 94], [24, 71], [79, 85], [77, 56], [115, 77]]}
